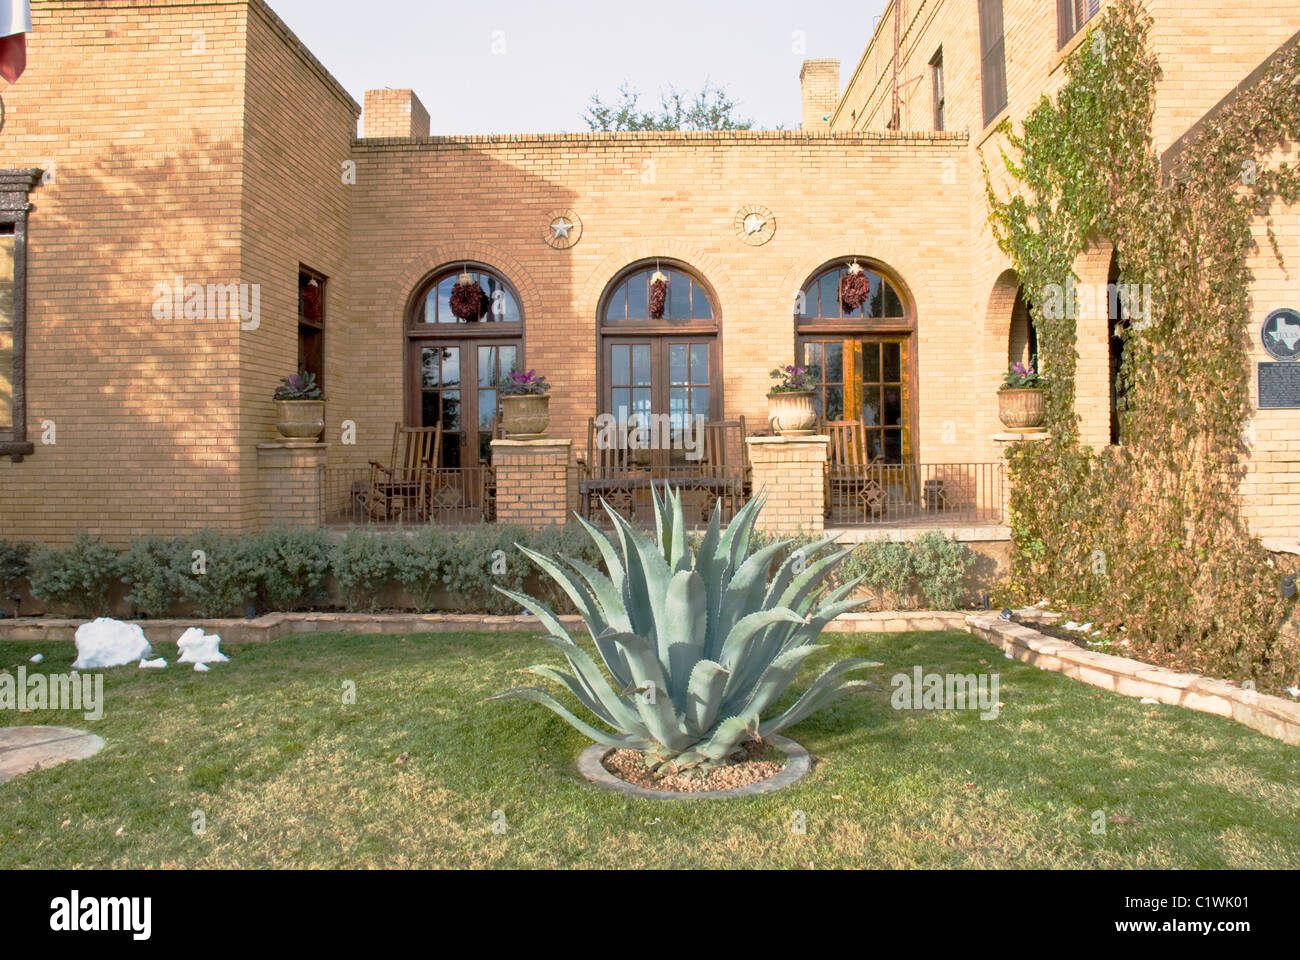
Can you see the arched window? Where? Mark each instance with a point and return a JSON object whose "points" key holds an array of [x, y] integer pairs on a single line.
{"points": [[665, 366], [454, 365], [863, 357]]}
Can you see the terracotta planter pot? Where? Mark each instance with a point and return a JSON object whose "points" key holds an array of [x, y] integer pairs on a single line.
{"points": [[526, 417], [302, 421], [791, 413], [1020, 409]]}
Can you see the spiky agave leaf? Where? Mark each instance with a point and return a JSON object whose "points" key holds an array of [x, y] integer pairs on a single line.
{"points": [[698, 646]]}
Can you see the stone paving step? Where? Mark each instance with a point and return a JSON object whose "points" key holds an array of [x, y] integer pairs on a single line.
{"points": [[23, 749]]}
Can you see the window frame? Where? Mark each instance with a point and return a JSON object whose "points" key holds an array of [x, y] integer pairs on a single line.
{"points": [[937, 95], [467, 336], [993, 49], [1071, 17], [660, 335], [15, 189], [862, 330]]}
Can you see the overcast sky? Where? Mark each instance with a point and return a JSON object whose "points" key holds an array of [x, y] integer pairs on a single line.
{"points": [[551, 55]]}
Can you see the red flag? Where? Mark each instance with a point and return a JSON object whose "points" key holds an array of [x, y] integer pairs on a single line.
{"points": [[15, 24], [13, 56]]}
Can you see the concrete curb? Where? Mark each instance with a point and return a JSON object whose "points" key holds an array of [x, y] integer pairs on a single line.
{"points": [[1270, 715], [798, 767]]}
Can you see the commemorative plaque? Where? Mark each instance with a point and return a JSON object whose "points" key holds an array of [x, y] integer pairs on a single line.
{"points": [[1279, 386]]}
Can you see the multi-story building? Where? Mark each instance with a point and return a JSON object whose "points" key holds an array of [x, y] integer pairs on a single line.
{"points": [[178, 174]]}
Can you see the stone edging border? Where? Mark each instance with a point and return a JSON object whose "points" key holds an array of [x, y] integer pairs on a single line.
{"points": [[273, 626], [1270, 715], [1263, 712], [798, 766]]}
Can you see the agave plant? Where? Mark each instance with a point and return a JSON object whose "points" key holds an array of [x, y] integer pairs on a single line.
{"points": [[697, 647]]}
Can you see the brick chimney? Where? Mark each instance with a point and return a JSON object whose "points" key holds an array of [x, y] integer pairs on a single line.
{"points": [[819, 86], [394, 113]]}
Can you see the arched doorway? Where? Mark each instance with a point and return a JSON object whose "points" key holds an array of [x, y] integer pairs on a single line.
{"points": [[660, 363], [454, 366], [864, 358]]}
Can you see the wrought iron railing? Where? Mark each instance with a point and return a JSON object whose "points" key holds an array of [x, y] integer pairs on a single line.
{"points": [[628, 491], [925, 494], [363, 495]]}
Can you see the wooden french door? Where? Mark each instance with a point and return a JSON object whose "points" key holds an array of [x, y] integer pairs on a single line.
{"points": [[676, 376], [458, 386], [867, 378]]}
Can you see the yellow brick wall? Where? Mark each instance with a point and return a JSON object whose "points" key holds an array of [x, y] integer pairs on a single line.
{"points": [[201, 139], [298, 131], [133, 109], [1205, 50], [421, 205]]}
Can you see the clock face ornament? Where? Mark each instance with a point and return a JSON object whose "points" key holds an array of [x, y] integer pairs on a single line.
{"points": [[755, 225], [563, 229]]}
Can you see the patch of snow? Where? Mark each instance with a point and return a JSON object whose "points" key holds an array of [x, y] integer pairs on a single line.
{"points": [[1088, 626], [153, 664], [1096, 633], [198, 647], [110, 643], [1294, 691], [37, 659], [201, 668], [1150, 700], [1070, 625]]}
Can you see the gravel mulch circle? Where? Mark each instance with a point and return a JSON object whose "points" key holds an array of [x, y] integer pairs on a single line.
{"points": [[761, 762]]}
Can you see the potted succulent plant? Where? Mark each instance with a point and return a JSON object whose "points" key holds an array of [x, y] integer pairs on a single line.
{"points": [[790, 408], [525, 406], [1020, 398], [300, 408]]}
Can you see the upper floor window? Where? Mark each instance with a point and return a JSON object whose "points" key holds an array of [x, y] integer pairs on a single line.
{"points": [[993, 59], [1071, 15], [631, 299], [936, 85]]}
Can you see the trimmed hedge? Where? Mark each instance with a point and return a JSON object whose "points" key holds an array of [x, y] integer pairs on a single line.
{"points": [[208, 574]]}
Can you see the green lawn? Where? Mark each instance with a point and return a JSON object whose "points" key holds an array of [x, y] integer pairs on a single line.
{"points": [[410, 776]]}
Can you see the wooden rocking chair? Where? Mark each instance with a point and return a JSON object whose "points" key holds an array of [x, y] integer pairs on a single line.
{"points": [[852, 480], [404, 488]]}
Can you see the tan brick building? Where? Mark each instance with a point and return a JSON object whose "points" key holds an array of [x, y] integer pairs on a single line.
{"points": [[175, 144]]}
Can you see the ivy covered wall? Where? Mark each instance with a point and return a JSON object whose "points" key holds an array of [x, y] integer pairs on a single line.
{"points": [[1149, 534]]}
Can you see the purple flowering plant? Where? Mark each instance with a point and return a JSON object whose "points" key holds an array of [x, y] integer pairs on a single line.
{"points": [[300, 386], [524, 384], [794, 379], [1022, 377]]}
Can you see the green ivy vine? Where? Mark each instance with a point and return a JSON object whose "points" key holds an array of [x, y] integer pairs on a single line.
{"points": [[1149, 534]]}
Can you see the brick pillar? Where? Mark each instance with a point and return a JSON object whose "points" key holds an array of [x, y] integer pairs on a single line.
{"points": [[291, 477], [532, 481], [790, 470]]}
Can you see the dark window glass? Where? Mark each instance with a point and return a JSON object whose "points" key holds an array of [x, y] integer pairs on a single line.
{"points": [[499, 304], [820, 299], [936, 83], [993, 62]]}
